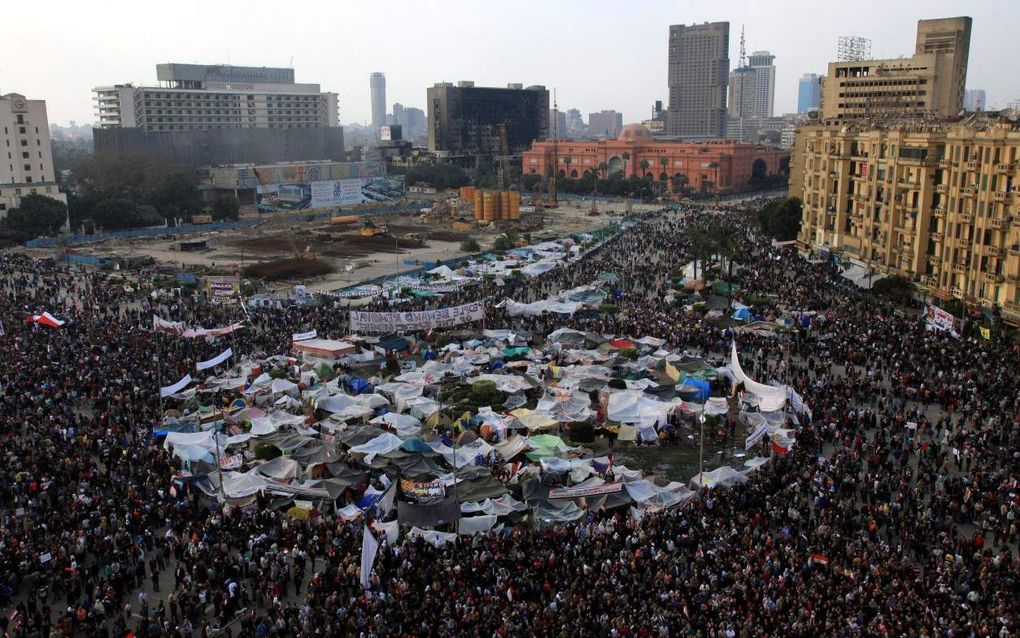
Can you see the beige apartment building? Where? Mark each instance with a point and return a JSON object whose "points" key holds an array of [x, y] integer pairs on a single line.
{"points": [[931, 82], [937, 202]]}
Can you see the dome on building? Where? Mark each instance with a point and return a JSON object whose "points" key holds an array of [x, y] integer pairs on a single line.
{"points": [[634, 132]]}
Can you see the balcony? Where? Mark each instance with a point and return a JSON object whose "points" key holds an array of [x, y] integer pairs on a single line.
{"points": [[998, 223], [936, 237], [992, 277], [938, 212], [944, 163], [965, 218], [934, 260], [1003, 168], [960, 268], [941, 188], [968, 191], [972, 165], [1000, 196]]}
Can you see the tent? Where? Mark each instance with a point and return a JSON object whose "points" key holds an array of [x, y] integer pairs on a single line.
{"points": [[741, 314], [533, 420]]}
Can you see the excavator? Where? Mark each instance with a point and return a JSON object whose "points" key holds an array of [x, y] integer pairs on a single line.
{"points": [[371, 229]]}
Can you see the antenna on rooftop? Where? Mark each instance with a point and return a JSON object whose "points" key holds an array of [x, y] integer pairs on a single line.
{"points": [[743, 48], [852, 48]]}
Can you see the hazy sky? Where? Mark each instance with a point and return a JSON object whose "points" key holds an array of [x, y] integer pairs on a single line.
{"points": [[597, 54]]}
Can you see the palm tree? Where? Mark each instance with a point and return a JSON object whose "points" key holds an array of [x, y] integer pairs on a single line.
{"points": [[664, 163], [626, 161]]}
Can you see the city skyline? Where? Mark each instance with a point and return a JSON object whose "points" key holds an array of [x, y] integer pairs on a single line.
{"points": [[337, 52]]}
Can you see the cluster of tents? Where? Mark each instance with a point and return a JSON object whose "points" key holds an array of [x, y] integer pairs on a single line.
{"points": [[312, 439]]}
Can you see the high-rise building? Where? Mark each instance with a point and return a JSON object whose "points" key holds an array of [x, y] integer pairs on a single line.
{"points": [[219, 114], [974, 100], [929, 83], [699, 67], [377, 81], [216, 96], [934, 201], [414, 123], [575, 123], [464, 119], [606, 123], [398, 114], [25, 137], [762, 63], [809, 93], [557, 123]]}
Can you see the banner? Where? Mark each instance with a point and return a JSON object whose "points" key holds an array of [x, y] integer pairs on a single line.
{"points": [[369, 548], [304, 336], [223, 287], [422, 491], [212, 332], [574, 492], [166, 391], [215, 361], [231, 461], [939, 319], [162, 325], [420, 320], [755, 437]]}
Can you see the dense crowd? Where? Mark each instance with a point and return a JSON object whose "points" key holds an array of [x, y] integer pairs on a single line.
{"points": [[894, 514]]}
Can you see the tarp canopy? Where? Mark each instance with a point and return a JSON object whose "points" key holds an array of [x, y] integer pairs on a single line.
{"points": [[631, 406], [724, 476]]}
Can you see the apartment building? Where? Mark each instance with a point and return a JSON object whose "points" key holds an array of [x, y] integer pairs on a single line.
{"points": [[934, 201], [26, 161], [698, 76]]}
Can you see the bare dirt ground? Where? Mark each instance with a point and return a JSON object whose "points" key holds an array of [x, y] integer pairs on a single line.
{"points": [[351, 257]]}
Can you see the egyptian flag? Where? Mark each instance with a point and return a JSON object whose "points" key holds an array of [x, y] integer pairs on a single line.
{"points": [[45, 319], [778, 449], [819, 559]]}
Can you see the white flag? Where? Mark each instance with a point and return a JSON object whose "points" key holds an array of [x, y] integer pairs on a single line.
{"points": [[369, 548]]}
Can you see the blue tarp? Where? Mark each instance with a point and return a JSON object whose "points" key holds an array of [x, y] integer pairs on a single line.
{"points": [[393, 342], [359, 385], [704, 387], [415, 445], [741, 314], [186, 278]]}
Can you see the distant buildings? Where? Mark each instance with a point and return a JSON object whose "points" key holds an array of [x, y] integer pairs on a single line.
{"points": [[557, 123], [605, 124], [974, 100], [752, 90], [209, 114], [698, 73], [411, 120], [575, 123], [809, 92], [464, 119], [762, 63], [929, 83], [709, 166], [377, 82], [28, 167]]}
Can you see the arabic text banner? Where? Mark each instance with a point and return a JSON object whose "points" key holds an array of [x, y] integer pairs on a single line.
{"points": [[420, 320]]}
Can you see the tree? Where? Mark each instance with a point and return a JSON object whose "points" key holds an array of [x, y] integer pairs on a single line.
{"points": [[758, 170], [700, 245], [226, 207], [530, 181], [626, 161], [502, 243], [113, 214], [781, 219], [644, 167], [38, 215], [894, 288], [470, 246], [438, 176]]}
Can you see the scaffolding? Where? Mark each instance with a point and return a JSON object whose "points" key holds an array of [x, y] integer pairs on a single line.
{"points": [[852, 48]]}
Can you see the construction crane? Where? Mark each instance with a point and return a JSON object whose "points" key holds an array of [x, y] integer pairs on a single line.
{"points": [[503, 170]]}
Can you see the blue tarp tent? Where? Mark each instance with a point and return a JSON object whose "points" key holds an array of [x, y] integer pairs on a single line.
{"points": [[359, 385], [415, 445], [704, 388], [742, 314]]}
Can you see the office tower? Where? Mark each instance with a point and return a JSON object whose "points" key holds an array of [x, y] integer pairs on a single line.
{"points": [[464, 119], [762, 63], [698, 73], [606, 123], [931, 82], [25, 138], [974, 100], [559, 118], [378, 83], [809, 93]]}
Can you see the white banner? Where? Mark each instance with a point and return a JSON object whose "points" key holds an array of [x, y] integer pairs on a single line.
{"points": [[162, 325], [419, 320], [369, 548], [574, 492], [215, 361], [304, 336], [175, 388], [754, 437], [213, 332]]}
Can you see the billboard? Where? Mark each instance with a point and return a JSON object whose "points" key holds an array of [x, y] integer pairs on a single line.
{"points": [[327, 185]]}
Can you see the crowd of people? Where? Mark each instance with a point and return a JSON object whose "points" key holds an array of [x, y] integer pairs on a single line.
{"points": [[894, 514]]}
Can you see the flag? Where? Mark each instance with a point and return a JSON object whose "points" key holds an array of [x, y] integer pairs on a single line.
{"points": [[819, 559], [986, 332], [779, 449], [672, 373], [369, 548], [386, 502], [45, 319], [2, 330]]}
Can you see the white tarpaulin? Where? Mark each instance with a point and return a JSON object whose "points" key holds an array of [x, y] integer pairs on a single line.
{"points": [[215, 361], [720, 477], [434, 538], [471, 525], [401, 322], [631, 406], [166, 391], [770, 398], [405, 425], [385, 442], [515, 309]]}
